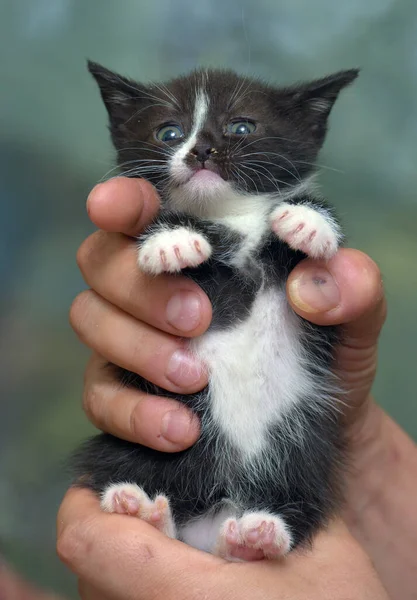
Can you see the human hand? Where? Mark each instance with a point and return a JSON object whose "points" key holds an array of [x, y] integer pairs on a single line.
{"points": [[117, 557], [124, 307], [114, 318]]}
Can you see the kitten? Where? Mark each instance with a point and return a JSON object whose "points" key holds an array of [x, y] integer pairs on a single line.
{"points": [[233, 159]]}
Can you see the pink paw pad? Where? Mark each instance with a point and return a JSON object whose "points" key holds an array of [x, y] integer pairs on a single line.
{"points": [[124, 503], [254, 536], [130, 499]]}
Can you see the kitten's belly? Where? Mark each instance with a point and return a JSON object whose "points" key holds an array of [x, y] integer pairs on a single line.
{"points": [[202, 533], [257, 371]]}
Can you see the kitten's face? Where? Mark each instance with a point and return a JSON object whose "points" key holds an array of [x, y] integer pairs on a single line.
{"points": [[214, 133]]}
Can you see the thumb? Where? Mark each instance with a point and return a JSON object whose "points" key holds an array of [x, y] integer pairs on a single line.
{"points": [[347, 290]]}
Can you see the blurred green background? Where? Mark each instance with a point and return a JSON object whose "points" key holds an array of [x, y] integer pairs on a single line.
{"points": [[54, 147]]}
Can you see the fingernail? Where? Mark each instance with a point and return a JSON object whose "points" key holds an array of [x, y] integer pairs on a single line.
{"points": [[183, 370], [175, 426], [314, 291], [183, 310]]}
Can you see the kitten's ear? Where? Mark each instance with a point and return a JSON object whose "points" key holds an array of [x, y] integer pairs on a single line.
{"points": [[314, 100], [120, 95]]}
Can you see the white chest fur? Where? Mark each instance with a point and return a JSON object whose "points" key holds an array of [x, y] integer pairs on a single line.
{"points": [[257, 371]]}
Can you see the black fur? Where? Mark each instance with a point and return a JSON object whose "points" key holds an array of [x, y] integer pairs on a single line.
{"points": [[301, 478]]}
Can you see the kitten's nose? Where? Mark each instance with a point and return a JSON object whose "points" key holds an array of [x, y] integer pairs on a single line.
{"points": [[202, 152]]}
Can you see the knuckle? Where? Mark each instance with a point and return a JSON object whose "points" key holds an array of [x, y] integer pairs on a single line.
{"points": [[136, 422], [79, 309], [69, 545], [84, 251], [88, 249], [92, 404]]}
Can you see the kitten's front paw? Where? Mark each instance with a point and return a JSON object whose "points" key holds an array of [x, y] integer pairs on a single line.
{"points": [[130, 499], [305, 228], [254, 536], [172, 250]]}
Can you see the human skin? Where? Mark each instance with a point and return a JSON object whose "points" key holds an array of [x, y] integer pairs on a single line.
{"points": [[114, 318]]}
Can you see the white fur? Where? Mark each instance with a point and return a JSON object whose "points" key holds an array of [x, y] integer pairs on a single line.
{"points": [[252, 223], [223, 203], [306, 228], [257, 372], [248, 214], [188, 193], [171, 250], [203, 533], [178, 170]]}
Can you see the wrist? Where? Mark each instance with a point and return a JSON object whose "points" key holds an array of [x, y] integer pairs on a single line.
{"points": [[370, 458], [380, 511]]}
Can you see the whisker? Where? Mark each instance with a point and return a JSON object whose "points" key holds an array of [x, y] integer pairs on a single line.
{"points": [[273, 137], [121, 165], [143, 170], [236, 172], [251, 178], [164, 151], [281, 167], [163, 88], [235, 95], [303, 162], [274, 182], [267, 162]]}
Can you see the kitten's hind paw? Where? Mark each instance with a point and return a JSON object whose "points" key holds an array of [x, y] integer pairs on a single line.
{"points": [[307, 229], [130, 499], [254, 536], [171, 250]]}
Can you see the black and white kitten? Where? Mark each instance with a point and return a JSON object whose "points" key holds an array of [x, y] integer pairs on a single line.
{"points": [[232, 159]]}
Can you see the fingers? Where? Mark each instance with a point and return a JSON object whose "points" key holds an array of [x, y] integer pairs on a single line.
{"points": [[108, 262], [135, 346], [347, 289], [124, 557], [123, 204], [156, 422], [132, 335]]}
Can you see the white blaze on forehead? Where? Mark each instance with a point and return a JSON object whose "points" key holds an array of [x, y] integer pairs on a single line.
{"points": [[179, 170]]}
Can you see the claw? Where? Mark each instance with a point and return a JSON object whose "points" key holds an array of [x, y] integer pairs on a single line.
{"points": [[178, 254], [163, 256], [197, 246], [299, 228]]}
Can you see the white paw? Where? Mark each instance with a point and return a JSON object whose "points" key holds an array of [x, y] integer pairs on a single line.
{"points": [[171, 250], [130, 499], [305, 228], [254, 536]]}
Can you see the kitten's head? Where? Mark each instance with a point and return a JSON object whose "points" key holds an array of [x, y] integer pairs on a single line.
{"points": [[213, 134]]}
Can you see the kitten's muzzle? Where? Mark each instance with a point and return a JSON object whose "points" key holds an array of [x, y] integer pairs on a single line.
{"points": [[202, 152]]}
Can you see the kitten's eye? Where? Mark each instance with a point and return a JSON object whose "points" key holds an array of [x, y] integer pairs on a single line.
{"points": [[241, 127], [169, 133]]}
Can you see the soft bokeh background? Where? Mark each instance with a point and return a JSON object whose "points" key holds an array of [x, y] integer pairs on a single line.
{"points": [[54, 147]]}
